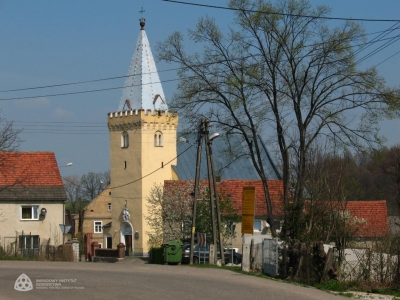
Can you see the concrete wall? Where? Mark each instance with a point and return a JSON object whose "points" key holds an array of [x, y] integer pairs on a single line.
{"points": [[47, 227], [258, 236]]}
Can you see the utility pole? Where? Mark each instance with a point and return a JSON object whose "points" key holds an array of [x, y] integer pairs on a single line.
{"points": [[214, 182], [213, 192], [196, 189]]}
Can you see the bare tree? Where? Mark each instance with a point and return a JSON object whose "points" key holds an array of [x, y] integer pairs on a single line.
{"points": [[9, 137], [93, 184], [73, 189], [280, 67], [171, 211], [9, 144]]}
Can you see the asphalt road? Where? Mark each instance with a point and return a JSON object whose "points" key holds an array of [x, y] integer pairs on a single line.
{"points": [[133, 279]]}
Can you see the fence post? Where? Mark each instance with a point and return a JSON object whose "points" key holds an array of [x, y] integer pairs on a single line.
{"points": [[16, 244], [246, 257], [284, 258], [252, 251], [398, 266], [307, 265]]}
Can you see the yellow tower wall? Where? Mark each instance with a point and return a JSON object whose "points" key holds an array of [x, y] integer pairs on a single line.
{"points": [[135, 169]]}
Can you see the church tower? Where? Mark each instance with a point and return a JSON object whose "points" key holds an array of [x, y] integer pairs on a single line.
{"points": [[142, 149]]}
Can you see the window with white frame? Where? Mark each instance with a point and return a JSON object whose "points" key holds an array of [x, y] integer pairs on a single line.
{"points": [[124, 140], [98, 226], [28, 242], [29, 212], [100, 245], [257, 225]]}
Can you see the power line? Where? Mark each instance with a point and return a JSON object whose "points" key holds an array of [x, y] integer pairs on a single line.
{"points": [[281, 14], [82, 82], [380, 48], [379, 37], [136, 180], [56, 122], [375, 40], [76, 93], [387, 58], [391, 41]]}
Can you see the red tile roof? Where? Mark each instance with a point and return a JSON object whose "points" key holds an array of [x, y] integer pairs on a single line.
{"points": [[234, 189], [375, 215], [373, 212], [29, 169]]}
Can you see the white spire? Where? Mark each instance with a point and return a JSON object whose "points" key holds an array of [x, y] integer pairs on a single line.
{"points": [[143, 87]]}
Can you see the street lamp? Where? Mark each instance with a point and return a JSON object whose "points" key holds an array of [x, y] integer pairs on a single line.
{"points": [[213, 136], [67, 165], [65, 228]]}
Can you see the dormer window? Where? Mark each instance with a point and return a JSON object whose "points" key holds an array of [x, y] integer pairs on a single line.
{"points": [[158, 139], [124, 140]]}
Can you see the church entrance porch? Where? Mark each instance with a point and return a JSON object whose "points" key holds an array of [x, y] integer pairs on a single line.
{"points": [[126, 237]]}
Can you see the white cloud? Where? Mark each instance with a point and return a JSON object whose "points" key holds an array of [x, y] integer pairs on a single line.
{"points": [[62, 113], [30, 104]]}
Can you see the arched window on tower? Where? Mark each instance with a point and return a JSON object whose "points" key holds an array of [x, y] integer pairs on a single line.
{"points": [[158, 139], [124, 140]]}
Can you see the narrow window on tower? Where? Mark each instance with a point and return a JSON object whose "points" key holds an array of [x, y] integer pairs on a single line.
{"points": [[158, 139], [124, 140]]}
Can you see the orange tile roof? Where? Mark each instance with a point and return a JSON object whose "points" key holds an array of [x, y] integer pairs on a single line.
{"points": [[374, 213], [29, 169], [234, 189]]}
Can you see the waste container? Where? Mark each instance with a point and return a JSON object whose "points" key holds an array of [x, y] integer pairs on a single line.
{"points": [[157, 255], [173, 252]]}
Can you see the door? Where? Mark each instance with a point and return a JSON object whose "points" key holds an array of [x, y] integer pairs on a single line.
{"points": [[128, 245], [109, 241]]}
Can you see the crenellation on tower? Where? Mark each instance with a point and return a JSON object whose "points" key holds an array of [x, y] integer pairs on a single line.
{"points": [[139, 118]]}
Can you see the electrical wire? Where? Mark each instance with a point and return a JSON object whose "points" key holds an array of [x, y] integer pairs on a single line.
{"points": [[363, 46], [379, 49], [387, 58], [80, 92], [154, 171], [378, 37], [281, 14]]}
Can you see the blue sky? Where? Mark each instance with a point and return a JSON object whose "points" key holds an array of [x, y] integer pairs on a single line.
{"points": [[55, 42]]}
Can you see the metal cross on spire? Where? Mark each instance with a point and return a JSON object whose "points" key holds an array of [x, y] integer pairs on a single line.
{"points": [[142, 11]]}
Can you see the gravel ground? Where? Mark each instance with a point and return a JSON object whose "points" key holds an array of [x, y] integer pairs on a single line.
{"points": [[369, 296]]}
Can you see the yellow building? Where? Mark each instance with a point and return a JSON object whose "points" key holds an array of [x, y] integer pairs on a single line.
{"points": [[142, 149], [97, 219]]}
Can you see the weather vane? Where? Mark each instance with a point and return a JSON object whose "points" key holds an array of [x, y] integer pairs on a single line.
{"points": [[142, 11]]}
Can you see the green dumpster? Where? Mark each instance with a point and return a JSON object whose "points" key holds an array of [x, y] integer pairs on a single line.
{"points": [[156, 255], [173, 252]]}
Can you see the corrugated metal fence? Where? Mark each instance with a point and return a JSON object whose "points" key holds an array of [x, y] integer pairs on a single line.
{"points": [[270, 257]]}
